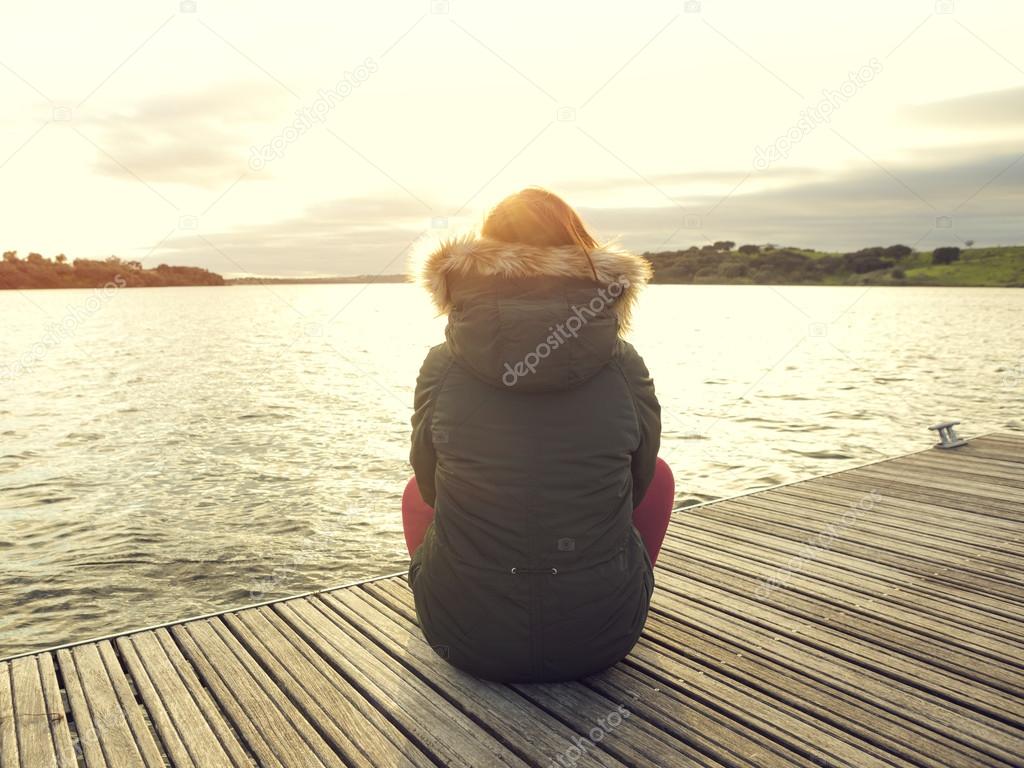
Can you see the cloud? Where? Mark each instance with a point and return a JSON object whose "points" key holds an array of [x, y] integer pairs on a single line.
{"points": [[200, 138], [980, 189], [352, 236], [992, 108], [981, 192], [685, 180]]}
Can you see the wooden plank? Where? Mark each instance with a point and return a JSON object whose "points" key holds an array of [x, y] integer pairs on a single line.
{"points": [[835, 642], [832, 548], [970, 458], [927, 712], [928, 642], [871, 579], [33, 725], [133, 715], [699, 729], [951, 526], [914, 604], [58, 719], [216, 719], [320, 696], [275, 731], [1009, 445], [835, 704], [8, 732], [874, 704], [35, 744], [111, 727], [899, 499], [258, 740], [634, 740], [942, 482], [895, 533], [992, 452], [441, 730], [818, 664], [965, 502], [192, 730], [396, 594], [669, 683], [920, 556], [971, 468], [692, 721], [926, 470], [354, 696], [996, 470], [521, 726], [737, 705], [158, 714], [834, 490], [88, 739], [1004, 446]]}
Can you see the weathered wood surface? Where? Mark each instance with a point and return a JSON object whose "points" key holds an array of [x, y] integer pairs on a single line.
{"points": [[871, 617]]}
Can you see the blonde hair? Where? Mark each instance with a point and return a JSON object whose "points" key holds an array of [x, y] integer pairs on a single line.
{"points": [[536, 216]]}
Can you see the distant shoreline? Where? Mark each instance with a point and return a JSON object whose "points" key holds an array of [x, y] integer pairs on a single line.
{"points": [[230, 284], [315, 280], [36, 271], [720, 263]]}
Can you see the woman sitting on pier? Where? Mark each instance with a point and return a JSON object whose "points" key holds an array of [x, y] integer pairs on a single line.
{"points": [[538, 504]]}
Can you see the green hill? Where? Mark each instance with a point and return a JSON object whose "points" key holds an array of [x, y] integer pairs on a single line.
{"points": [[722, 263]]}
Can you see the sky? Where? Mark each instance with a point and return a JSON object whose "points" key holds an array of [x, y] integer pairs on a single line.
{"points": [[335, 138]]}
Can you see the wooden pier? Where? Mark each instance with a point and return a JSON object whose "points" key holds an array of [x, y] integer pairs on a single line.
{"points": [[871, 617]]}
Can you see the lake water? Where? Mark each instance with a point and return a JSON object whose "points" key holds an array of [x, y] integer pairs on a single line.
{"points": [[172, 452]]}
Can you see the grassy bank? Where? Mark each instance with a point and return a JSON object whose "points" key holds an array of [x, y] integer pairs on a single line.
{"points": [[722, 263]]}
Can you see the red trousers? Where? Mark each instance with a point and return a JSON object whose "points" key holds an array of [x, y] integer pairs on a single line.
{"points": [[651, 517]]}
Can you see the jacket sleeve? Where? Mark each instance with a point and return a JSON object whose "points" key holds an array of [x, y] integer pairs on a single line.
{"points": [[648, 415], [423, 457]]}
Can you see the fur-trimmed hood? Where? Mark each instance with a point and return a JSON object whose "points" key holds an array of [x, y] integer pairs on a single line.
{"points": [[470, 255], [532, 318]]}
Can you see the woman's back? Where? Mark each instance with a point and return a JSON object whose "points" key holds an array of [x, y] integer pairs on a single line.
{"points": [[534, 435]]}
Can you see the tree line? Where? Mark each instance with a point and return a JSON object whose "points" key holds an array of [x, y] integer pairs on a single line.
{"points": [[718, 262], [37, 271]]}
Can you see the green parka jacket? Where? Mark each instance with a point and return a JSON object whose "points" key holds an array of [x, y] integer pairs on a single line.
{"points": [[535, 433]]}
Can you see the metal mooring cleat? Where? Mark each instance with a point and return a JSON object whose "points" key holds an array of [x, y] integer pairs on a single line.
{"points": [[948, 438]]}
